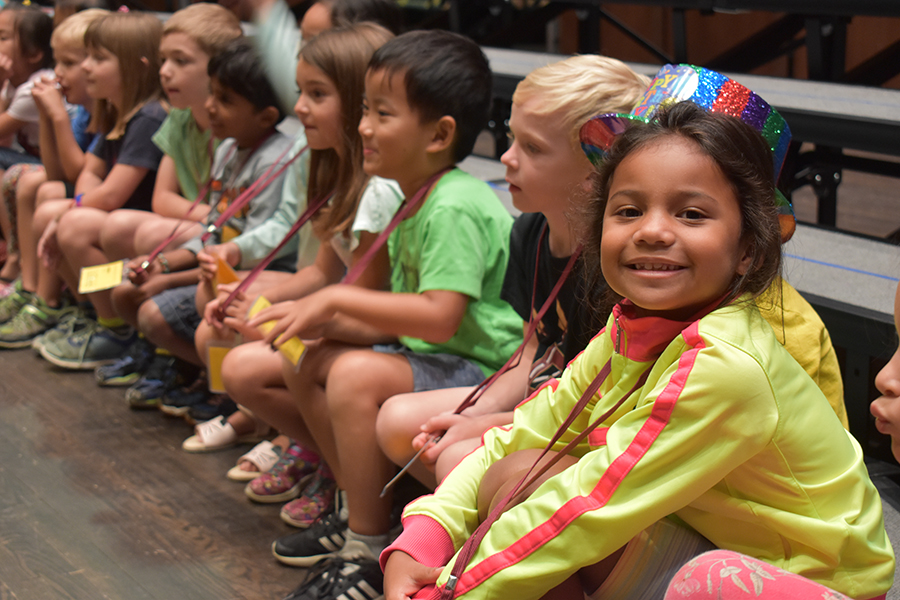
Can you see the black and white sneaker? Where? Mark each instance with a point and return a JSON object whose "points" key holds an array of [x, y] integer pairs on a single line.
{"points": [[336, 578], [305, 548]]}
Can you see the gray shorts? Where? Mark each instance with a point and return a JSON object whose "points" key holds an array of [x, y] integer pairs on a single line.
{"points": [[436, 371], [178, 307]]}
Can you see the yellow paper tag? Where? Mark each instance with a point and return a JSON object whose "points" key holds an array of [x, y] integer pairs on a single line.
{"points": [[292, 349], [224, 273], [228, 234], [216, 353], [101, 277]]}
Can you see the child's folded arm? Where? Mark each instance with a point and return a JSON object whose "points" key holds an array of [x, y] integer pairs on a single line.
{"points": [[433, 316], [115, 189], [167, 199], [9, 125]]}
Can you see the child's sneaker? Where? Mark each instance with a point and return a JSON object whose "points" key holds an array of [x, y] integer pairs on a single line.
{"points": [[317, 500], [148, 390], [127, 370], [13, 303], [339, 578], [323, 539], [284, 481], [33, 319], [178, 402], [215, 405], [87, 347]]}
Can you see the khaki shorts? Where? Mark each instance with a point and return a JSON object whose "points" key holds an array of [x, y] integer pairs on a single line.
{"points": [[650, 560]]}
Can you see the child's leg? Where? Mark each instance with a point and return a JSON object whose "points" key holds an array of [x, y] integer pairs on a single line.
{"points": [[27, 198], [49, 282], [79, 243], [9, 215], [400, 420], [154, 324], [132, 233], [340, 389], [252, 377]]}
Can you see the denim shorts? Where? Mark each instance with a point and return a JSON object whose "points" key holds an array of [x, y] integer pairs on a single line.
{"points": [[179, 309], [436, 371], [10, 157]]}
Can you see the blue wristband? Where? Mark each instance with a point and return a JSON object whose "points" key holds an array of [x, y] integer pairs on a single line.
{"points": [[78, 198]]}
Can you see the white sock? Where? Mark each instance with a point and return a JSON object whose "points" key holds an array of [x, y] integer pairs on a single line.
{"points": [[360, 546]]}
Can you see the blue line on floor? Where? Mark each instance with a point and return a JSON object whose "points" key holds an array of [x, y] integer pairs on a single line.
{"points": [[826, 264]]}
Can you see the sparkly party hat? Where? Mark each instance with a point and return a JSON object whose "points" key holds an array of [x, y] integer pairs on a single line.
{"points": [[712, 91]]}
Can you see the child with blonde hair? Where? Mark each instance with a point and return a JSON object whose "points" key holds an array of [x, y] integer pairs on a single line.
{"points": [[64, 139]]}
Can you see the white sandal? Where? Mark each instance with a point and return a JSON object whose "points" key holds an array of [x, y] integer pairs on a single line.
{"points": [[263, 456], [217, 434]]}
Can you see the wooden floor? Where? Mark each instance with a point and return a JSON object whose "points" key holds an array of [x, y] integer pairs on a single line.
{"points": [[98, 501]]}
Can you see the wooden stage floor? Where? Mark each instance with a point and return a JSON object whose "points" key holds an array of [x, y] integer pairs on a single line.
{"points": [[98, 501]]}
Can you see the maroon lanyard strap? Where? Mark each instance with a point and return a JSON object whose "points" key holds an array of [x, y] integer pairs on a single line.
{"points": [[204, 190], [406, 207], [471, 546], [311, 210], [253, 190], [533, 324]]}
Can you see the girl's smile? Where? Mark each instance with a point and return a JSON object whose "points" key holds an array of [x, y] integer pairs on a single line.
{"points": [[672, 230]]}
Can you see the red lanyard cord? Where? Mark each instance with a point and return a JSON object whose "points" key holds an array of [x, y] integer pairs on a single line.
{"points": [[471, 545], [354, 273], [204, 190], [253, 190]]}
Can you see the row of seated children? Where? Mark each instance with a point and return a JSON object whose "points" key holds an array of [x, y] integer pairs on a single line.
{"points": [[413, 91], [339, 388]]}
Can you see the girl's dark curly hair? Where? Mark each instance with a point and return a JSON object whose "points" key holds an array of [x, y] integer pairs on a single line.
{"points": [[745, 160]]}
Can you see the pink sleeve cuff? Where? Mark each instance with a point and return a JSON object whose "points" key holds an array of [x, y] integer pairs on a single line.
{"points": [[425, 540]]}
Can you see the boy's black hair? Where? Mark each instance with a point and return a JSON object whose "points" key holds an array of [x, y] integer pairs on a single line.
{"points": [[239, 68], [33, 29], [445, 74]]}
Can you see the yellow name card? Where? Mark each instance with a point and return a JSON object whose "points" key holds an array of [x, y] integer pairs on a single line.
{"points": [[292, 349], [216, 353], [225, 274], [101, 277]]}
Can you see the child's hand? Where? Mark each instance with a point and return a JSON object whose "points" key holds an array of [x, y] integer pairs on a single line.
{"points": [[404, 577], [139, 275], [48, 247], [6, 67], [304, 318], [48, 97], [455, 427], [209, 263]]}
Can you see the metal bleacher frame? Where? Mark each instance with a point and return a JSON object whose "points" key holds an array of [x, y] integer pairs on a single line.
{"points": [[819, 25]]}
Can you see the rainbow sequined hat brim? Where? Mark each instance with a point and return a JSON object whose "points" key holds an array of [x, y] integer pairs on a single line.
{"points": [[709, 90]]}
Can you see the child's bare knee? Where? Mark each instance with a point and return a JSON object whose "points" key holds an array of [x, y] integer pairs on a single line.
{"points": [[150, 317], [394, 429]]}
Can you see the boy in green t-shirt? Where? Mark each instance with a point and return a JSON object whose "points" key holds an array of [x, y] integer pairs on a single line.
{"points": [[427, 98]]}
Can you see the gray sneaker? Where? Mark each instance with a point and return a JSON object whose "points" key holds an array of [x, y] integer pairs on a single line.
{"points": [[33, 319], [13, 303], [87, 347]]}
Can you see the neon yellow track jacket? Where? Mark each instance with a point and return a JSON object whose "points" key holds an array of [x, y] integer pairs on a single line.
{"points": [[728, 433]]}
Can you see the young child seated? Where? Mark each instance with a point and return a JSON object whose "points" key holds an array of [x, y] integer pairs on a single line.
{"points": [[427, 96], [121, 74], [242, 107], [685, 425], [25, 47], [190, 37], [64, 145], [331, 74], [549, 107], [726, 574]]}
